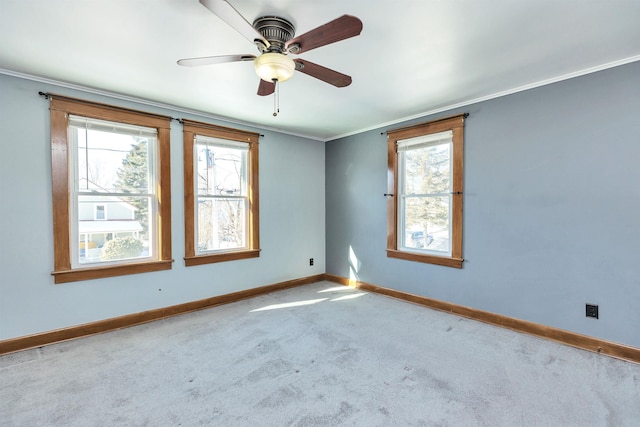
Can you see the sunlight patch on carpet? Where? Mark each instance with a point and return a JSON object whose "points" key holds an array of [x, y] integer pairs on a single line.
{"points": [[290, 304]]}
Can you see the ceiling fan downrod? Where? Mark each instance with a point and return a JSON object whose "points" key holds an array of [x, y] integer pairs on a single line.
{"points": [[276, 98]]}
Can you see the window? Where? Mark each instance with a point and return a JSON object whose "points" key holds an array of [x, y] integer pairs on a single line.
{"points": [[221, 194], [109, 160], [100, 212], [425, 184]]}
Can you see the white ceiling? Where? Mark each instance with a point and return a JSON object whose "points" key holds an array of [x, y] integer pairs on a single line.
{"points": [[413, 56]]}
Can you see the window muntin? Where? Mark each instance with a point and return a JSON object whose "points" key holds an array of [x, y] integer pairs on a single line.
{"points": [[221, 194], [425, 181], [78, 189], [112, 164], [222, 200]]}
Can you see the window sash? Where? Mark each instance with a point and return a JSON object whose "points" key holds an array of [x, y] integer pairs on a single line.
{"points": [[441, 138], [402, 166], [81, 123], [76, 193], [212, 143], [219, 240]]}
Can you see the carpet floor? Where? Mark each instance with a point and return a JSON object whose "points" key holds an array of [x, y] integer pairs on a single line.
{"points": [[317, 355]]}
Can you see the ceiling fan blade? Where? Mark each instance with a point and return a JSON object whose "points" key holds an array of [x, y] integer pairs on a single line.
{"points": [[210, 60], [339, 29], [322, 73], [231, 16], [266, 88]]}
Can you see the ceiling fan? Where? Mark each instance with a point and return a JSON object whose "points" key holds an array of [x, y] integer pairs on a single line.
{"points": [[274, 38]]}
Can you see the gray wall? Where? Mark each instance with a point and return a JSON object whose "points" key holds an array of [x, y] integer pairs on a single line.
{"points": [[550, 222], [291, 222], [551, 209]]}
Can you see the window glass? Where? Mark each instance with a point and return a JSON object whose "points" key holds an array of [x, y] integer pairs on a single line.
{"points": [[100, 212], [112, 166], [221, 200], [425, 199]]}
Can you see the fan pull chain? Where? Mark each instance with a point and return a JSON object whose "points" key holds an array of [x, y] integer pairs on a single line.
{"points": [[276, 98]]}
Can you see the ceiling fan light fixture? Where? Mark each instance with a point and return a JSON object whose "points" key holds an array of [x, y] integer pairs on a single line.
{"points": [[272, 66]]}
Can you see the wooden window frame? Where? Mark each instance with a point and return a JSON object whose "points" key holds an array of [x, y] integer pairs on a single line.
{"points": [[190, 130], [60, 109], [456, 125]]}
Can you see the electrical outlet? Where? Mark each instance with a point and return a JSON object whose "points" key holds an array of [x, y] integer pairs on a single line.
{"points": [[310, 261], [592, 311]]}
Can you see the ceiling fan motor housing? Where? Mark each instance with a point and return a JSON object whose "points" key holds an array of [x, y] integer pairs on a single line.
{"points": [[278, 31], [273, 65]]}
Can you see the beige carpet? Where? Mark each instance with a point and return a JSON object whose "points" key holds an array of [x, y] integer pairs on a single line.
{"points": [[319, 355]]}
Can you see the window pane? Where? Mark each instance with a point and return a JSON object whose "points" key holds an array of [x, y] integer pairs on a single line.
{"points": [[428, 169], [221, 224], [100, 214], [112, 162], [426, 223], [123, 236], [220, 170]]}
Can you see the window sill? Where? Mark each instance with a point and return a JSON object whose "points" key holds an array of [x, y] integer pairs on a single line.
{"points": [[221, 257], [429, 259], [65, 276]]}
